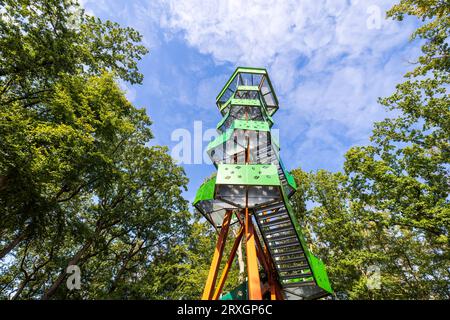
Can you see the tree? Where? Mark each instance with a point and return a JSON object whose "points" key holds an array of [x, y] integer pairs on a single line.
{"points": [[336, 232], [356, 245], [48, 49], [42, 40], [79, 183], [400, 183], [406, 169], [122, 198], [391, 207]]}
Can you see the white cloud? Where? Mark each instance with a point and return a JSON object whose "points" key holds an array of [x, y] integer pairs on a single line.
{"points": [[328, 64], [328, 67]]}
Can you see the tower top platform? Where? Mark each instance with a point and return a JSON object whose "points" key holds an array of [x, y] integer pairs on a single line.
{"points": [[246, 80]]}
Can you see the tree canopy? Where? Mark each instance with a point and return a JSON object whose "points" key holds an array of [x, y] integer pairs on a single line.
{"points": [[79, 184], [391, 207]]}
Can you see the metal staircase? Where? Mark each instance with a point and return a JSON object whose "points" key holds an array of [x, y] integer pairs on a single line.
{"points": [[285, 247]]}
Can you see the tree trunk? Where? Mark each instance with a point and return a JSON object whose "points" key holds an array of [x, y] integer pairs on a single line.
{"points": [[51, 291], [3, 182], [12, 245], [133, 251], [20, 289]]}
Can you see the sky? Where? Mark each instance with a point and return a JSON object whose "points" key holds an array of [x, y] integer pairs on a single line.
{"points": [[328, 60]]}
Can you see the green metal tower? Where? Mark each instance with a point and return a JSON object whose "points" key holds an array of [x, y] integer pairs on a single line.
{"points": [[252, 190]]}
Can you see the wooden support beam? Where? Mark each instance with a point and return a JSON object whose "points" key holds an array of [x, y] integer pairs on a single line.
{"points": [[254, 284], [261, 255], [228, 265], [273, 293], [237, 213], [217, 258], [265, 260]]}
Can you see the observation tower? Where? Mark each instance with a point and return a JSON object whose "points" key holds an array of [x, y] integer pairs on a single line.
{"points": [[251, 190]]}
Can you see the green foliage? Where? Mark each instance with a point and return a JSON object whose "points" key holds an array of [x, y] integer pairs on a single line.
{"points": [[391, 208], [78, 182], [42, 40], [405, 172], [408, 165], [352, 240], [192, 273]]}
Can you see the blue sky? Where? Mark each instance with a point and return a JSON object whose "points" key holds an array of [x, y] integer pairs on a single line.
{"points": [[328, 62]]}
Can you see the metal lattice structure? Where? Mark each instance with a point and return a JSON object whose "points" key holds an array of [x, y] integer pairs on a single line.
{"points": [[251, 190]]}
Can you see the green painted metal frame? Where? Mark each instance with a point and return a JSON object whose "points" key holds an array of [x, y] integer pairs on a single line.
{"points": [[219, 140], [236, 125], [206, 191], [289, 177], [235, 73], [265, 114], [260, 102], [261, 71], [250, 125], [315, 264], [247, 88], [238, 174], [241, 102], [248, 174]]}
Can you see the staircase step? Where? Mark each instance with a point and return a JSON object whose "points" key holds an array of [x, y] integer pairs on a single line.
{"points": [[276, 222], [285, 245], [279, 213], [277, 230], [295, 268], [287, 253], [298, 284], [291, 260], [264, 157], [281, 238], [273, 217], [295, 276], [270, 207]]}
